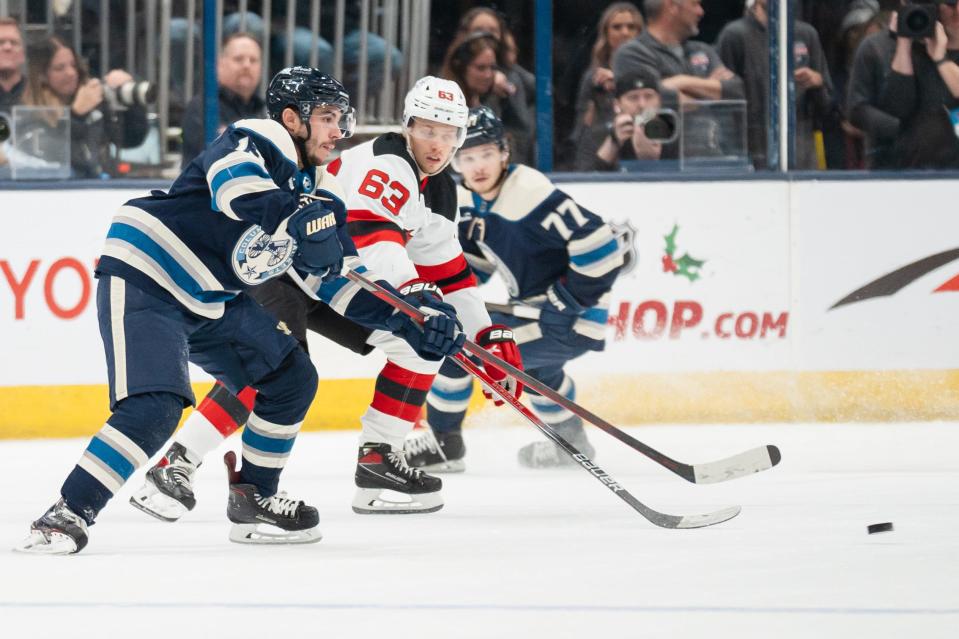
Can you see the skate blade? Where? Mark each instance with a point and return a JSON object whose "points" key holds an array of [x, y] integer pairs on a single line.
{"points": [[376, 501], [37, 543], [154, 503], [265, 534], [450, 466]]}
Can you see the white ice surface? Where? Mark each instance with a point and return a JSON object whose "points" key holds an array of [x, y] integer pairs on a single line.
{"points": [[518, 553]]}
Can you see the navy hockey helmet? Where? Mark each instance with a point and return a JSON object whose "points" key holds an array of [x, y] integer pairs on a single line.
{"points": [[483, 127], [304, 89]]}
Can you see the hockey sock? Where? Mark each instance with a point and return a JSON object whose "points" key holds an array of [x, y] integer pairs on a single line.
{"points": [[281, 404], [135, 431], [396, 404], [448, 399], [219, 415]]}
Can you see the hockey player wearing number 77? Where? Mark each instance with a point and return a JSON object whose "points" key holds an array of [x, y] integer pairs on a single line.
{"points": [[552, 254], [401, 208], [173, 282]]}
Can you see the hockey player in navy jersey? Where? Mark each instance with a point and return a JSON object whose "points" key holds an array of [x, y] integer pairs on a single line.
{"points": [[552, 254], [401, 206], [172, 282]]}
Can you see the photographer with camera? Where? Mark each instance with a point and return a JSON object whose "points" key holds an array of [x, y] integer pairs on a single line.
{"points": [[102, 112], [637, 106], [922, 88]]}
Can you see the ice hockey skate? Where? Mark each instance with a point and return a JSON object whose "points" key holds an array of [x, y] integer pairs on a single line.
{"points": [[435, 453], [59, 532], [167, 491], [385, 484], [546, 454], [267, 520]]}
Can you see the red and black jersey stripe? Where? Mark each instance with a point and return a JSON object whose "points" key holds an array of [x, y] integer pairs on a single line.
{"points": [[365, 227], [449, 276], [400, 392]]}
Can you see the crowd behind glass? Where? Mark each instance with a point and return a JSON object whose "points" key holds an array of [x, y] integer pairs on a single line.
{"points": [[641, 87]]}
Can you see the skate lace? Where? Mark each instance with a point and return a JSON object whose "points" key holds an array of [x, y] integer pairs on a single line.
{"points": [[279, 505], [421, 441], [399, 464]]}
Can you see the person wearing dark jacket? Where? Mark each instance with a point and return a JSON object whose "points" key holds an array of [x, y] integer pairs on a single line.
{"points": [[870, 67], [744, 48], [689, 69], [238, 74], [58, 78], [922, 90], [12, 82], [637, 94]]}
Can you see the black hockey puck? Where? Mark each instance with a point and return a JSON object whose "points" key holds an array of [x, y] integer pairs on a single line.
{"points": [[878, 528]]}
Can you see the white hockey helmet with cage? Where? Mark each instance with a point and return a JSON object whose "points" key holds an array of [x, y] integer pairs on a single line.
{"points": [[437, 100]]}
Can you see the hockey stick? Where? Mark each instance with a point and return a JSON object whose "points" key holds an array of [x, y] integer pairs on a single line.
{"points": [[745, 463], [516, 310], [660, 519]]}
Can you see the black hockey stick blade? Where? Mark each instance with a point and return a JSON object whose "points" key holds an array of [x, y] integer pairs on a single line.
{"points": [[662, 520], [746, 463]]}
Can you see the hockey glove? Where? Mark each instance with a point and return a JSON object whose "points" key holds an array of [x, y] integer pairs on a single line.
{"points": [[559, 312], [318, 249], [440, 335], [498, 340]]}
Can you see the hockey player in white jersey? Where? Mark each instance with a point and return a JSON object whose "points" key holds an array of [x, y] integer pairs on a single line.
{"points": [[400, 210], [552, 254], [401, 213]]}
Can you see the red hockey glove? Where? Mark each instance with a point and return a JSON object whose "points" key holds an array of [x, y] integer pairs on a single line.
{"points": [[498, 340]]}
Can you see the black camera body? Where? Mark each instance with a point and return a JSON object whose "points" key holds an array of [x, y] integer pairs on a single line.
{"points": [[917, 18], [4, 128]]}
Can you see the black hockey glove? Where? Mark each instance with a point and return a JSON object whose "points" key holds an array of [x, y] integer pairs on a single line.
{"points": [[559, 312], [318, 249], [440, 335]]}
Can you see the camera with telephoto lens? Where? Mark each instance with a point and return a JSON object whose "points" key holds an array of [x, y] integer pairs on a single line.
{"points": [[659, 125], [917, 18], [4, 128], [130, 94]]}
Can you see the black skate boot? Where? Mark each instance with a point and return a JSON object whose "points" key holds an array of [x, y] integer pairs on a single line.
{"points": [[267, 520], [59, 532], [167, 491], [379, 470], [435, 452], [546, 454]]}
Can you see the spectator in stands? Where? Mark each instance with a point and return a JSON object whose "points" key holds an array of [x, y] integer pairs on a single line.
{"points": [[689, 69], [57, 77], [637, 93], [620, 22], [472, 61], [861, 20], [511, 77], [238, 74], [744, 48], [922, 90], [12, 82], [253, 23], [871, 65]]}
